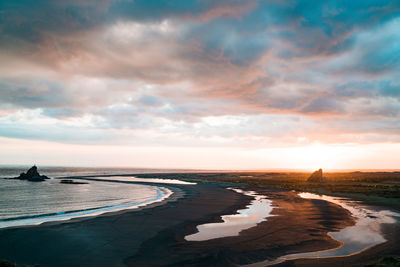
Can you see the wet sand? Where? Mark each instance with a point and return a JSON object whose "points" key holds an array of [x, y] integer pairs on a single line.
{"points": [[372, 255], [300, 225], [109, 239], [155, 236], [257, 211]]}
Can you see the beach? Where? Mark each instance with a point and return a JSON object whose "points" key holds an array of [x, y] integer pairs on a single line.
{"points": [[134, 237], [298, 225], [109, 239]]}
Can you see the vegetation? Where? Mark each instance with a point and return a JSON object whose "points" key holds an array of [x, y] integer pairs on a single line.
{"points": [[4, 263], [380, 188], [387, 262]]}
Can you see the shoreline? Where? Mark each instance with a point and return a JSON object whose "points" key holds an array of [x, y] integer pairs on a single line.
{"points": [[370, 255], [165, 194], [110, 239], [316, 240], [364, 235], [252, 245], [258, 210], [132, 238]]}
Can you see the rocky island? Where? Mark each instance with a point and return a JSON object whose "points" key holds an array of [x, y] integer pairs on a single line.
{"points": [[32, 175]]}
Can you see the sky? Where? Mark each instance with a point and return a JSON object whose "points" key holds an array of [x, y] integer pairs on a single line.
{"points": [[200, 84]]}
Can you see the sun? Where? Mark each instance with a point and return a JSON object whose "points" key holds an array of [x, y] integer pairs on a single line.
{"points": [[318, 156], [310, 157]]}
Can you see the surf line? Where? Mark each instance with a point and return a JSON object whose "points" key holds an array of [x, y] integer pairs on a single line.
{"points": [[162, 194]]}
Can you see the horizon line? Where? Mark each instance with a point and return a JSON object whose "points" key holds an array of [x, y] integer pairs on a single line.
{"points": [[206, 169]]}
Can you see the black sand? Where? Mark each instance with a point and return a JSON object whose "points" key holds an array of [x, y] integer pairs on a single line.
{"points": [[155, 236], [108, 240]]}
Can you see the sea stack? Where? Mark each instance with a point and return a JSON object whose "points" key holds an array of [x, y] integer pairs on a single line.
{"points": [[316, 177], [32, 175]]}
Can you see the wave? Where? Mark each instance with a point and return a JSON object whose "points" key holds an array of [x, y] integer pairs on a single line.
{"points": [[162, 194]]}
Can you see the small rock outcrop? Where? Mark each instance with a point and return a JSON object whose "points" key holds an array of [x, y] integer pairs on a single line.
{"points": [[32, 175], [316, 177]]}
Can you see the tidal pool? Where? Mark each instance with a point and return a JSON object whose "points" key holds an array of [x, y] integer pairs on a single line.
{"points": [[147, 180], [257, 211], [364, 234]]}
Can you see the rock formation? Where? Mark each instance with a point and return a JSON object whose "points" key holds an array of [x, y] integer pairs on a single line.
{"points": [[316, 177], [32, 175]]}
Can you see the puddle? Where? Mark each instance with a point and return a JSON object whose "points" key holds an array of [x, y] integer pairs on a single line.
{"points": [[136, 179], [364, 234], [257, 211]]}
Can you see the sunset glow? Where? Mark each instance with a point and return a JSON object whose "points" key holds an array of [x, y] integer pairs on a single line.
{"points": [[201, 84]]}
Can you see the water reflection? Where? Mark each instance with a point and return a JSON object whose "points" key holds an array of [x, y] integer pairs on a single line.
{"points": [[146, 180], [364, 234], [257, 211]]}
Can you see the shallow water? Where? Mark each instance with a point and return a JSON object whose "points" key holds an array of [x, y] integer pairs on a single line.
{"points": [[28, 203], [146, 180], [364, 234], [257, 211]]}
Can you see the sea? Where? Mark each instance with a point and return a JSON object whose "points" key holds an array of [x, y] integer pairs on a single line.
{"points": [[29, 203]]}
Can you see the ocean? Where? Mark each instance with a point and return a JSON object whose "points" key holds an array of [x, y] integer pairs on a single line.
{"points": [[28, 203], [55, 172]]}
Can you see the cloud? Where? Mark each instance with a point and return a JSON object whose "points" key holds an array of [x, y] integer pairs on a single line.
{"points": [[32, 94], [261, 70], [322, 106]]}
